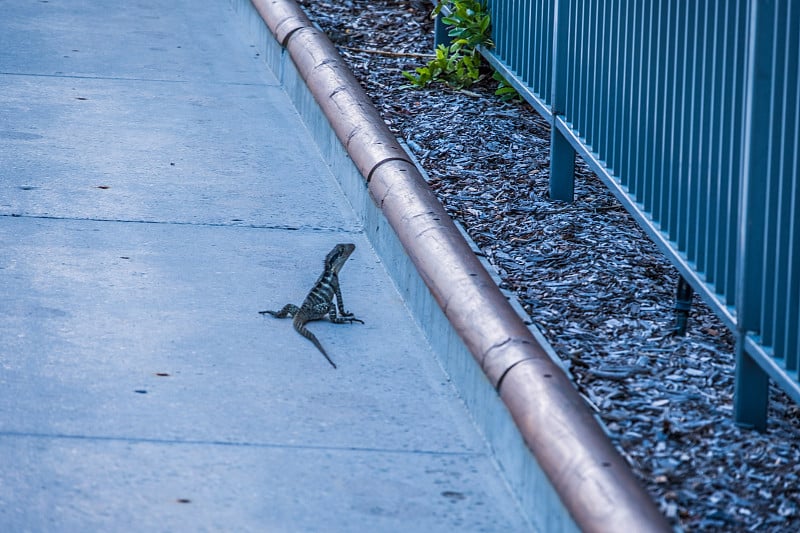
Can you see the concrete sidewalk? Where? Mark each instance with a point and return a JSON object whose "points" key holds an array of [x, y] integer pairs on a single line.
{"points": [[158, 189]]}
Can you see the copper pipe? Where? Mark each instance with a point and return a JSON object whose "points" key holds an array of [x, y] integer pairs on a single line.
{"points": [[593, 481]]}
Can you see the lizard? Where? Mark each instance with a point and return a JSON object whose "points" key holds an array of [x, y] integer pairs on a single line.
{"points": [[319, 301]]}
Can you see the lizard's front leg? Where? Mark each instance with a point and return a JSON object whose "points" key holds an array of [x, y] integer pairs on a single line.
{"points": [[343, 319], [343, 315]]}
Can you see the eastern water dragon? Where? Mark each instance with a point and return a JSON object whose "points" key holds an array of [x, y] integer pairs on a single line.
{"points": [[319, 301]]}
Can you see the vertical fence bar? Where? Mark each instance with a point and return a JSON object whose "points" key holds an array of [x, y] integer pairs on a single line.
{"points": [[751, 392], [532, 44], [720, 181], [792, 170], [768, 242], [499, 32], [626, 143], [710, 203], [590, 97], [607, 133], [547, 53], [673, 113], [775, 297], [658, 98], [643, 107], [546, 65], [681, 135], [697, 149], [617, 84], [623, 76], [578, 66], [599, 104], [735, 82], [709, 137], [786, 299], [515, 51]]}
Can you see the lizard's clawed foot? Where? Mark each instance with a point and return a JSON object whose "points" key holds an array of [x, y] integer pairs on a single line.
{"points": [[350, 317]]}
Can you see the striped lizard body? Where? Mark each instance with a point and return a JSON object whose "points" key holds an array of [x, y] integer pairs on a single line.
{"points": [[319, 302]]}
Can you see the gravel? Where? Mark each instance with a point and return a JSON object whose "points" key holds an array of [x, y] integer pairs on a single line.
{"points": [[596, 286]]}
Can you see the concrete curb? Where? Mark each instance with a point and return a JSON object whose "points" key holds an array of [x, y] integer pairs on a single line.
{"points": [[584, 473]]}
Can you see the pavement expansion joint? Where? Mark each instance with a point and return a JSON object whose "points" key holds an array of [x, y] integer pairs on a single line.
{"points": [[136, 79], [234, 443], [236, 223]]}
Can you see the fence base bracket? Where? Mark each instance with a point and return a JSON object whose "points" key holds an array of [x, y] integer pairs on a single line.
{"points": [[683, 305], [751, 390]]}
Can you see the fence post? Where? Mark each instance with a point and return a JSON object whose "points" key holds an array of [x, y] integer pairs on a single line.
{"points": [[751, 390], [562, 154], [440, 32]]}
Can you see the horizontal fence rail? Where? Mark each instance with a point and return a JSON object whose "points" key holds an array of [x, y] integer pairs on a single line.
{"points": [[690, 113]]}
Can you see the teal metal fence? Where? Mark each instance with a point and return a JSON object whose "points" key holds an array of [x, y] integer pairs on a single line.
{"points": [[688, 111]]}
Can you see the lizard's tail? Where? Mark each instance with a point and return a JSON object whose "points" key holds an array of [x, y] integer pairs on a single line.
{"points": [[288, 310], [302, 330]]}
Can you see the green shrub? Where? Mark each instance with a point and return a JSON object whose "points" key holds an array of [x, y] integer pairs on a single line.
{"points": [[459, 64]]}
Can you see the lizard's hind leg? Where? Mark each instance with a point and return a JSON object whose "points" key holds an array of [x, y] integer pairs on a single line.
{"points": [[289, 310]]}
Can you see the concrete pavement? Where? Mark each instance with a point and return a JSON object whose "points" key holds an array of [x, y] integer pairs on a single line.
{"points": [[157, 189]]}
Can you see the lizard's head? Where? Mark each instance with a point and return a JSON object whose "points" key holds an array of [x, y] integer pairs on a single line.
{"points": [[336, 257]]}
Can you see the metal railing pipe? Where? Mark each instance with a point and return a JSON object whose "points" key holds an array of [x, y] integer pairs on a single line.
{"points": [[651, 95]]}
